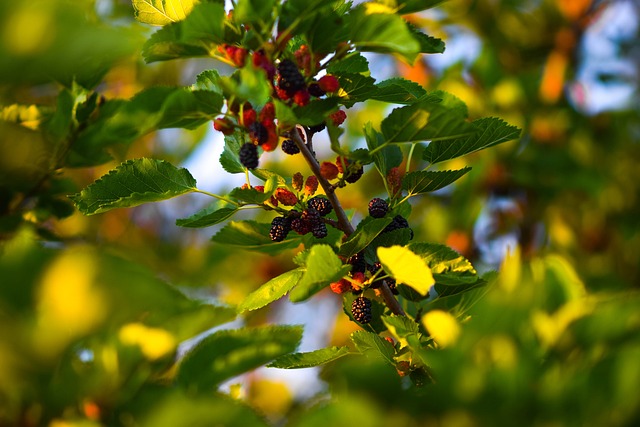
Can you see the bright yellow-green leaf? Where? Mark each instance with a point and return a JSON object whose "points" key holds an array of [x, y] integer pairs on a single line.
{"points": [[162, 12], [442, 327], [406, 267]]}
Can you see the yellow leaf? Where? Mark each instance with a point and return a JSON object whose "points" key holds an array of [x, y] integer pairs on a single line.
{"points": [[406, 267], [162, 12], [153, 342], [442, 327]]}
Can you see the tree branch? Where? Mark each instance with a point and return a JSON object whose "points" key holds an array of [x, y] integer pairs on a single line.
{"points": [[343, 222]]}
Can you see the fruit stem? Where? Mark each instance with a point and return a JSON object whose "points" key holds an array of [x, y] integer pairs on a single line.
{"points": [[343, 222]]}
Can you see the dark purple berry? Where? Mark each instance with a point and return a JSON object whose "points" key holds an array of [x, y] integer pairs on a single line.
{"points": [[317, 128], [301, 226], [361, 310], [316, 90], [319, 230], [358, 264], [280, 227], [320, 204], [289, 78], [398, 223], [290, 147], [248, 155], [378, 207], [354, 173], [258, 133]]}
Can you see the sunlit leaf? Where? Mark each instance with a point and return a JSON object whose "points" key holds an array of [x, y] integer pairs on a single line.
{"points": [[427, 181], [372, 345], [133, 183], [323, 267], [162, 12], [406, 267], [489, 131], [271, 291], [442, 327], [310, 359], [206, 217]]}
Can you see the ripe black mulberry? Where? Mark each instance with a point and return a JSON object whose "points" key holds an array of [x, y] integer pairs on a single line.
{"points": [[320, 204], [248, 155], [361, 310], [280, 227], [378, 208], [290, 147]]}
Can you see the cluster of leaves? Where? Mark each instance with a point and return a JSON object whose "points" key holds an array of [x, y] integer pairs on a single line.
{"points": [[336, 33]]}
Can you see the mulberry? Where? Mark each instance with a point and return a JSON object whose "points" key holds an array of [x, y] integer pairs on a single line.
{"points": [[398, 223], [378, 207], [319, 230], [248, 155], [315, 90], [258, 133], [354, 174], [290, 147], [361, 310], [286, 197], [329, 83], [290, 80], [358, 264], [280, 227], [320, 204]]}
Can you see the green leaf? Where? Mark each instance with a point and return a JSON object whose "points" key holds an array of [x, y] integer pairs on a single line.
{"points": [[254, 11], [490, 131], [269, 178], [207, 217], [352, 64], [271, 291], [309, 359], [406, 267], [254, 236], [133, 183], [249, 195], [427, 181], [385, 158], [372, 345], [316, 111], [197, 35], [248, 84], [428, 44], [449, 268], [358, 88], [229, 158], [162, 12], [208, 80], [185, 108], [398, 91], [410, 6], [323, 267], [228, 353], [377, 30], [364, 234], [427, 120], [401, 326]]}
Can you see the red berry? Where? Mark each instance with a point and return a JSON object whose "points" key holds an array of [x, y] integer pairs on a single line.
{"points": [[248, 117], [286, 197], [311, 185], [342, 163], [338, 117], [268, 112], [272, 140], [341, 286], [224, 125], [297, 181], [329, 83], [328, 170], [301, 97]]}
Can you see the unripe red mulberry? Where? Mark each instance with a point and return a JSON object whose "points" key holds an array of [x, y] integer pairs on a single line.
{"points": [[224, 125], [297, 181], [338, 117], [328, 170], [311, 185], [329, 83], [286, 197], [341, 286]]}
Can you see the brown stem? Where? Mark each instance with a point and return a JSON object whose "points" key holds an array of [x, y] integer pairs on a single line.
{"points": [[391, 300], [343, 222]]}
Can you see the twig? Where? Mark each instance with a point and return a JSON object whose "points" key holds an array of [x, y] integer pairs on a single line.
{"points": [[343, 222]]}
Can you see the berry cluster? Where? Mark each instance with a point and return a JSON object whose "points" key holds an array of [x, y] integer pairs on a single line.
{"points": [[292, 81], [305, 217]]}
